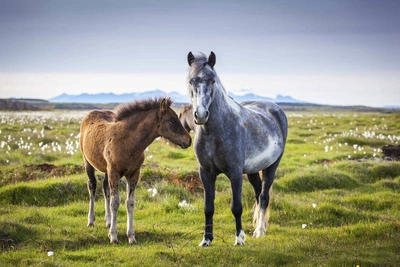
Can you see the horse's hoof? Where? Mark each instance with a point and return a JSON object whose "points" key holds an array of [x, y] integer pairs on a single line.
{"points": [[258, 233], [90, 224], [205, 243], [240, 239]]}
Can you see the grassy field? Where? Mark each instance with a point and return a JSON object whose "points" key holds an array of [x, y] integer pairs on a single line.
{"points": [[335, 202]]}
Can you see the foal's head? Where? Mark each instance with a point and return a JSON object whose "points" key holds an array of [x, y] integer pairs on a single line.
{"points": [[202, 79], [170, 126]]}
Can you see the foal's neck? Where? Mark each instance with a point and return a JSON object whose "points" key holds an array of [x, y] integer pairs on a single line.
{"points": [[144, 125]]}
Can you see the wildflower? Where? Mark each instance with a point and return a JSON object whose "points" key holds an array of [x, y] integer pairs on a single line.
{"points": [[153, 192], [314, 205], [303, 225], [183, 203]]}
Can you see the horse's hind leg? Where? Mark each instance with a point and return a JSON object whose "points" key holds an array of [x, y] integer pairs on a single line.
{"points": [[106, 192], [262, 216], [255, 181], [91, 185]]}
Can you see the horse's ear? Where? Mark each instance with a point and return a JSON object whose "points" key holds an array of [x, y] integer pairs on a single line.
{"points": [[163, 106], [190, 58], [211, 59]]}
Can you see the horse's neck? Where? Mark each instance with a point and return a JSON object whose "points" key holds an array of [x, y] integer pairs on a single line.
{"points": [[224, 107]]}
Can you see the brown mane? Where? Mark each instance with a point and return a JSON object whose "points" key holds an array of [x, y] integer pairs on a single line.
{"points": [[123, 111]]}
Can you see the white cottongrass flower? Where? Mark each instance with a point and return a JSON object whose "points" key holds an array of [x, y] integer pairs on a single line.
{"points": [[153, 192], [183, 203], [303, 225], [314, 205]]}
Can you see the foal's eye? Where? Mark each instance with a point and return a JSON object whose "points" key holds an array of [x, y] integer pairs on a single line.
{"points": [[172, 120]]}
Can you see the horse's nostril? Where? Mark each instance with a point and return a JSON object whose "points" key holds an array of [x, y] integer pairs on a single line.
{"points": [[195, 114], [207, 114]]}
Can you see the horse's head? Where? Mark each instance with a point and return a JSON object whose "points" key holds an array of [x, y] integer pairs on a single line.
{"points": [[170, 126], [201, 80]]}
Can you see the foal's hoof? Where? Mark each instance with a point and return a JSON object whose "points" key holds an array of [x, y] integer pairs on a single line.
{"points": [[205, 243], [132, 240], [113, 239]]}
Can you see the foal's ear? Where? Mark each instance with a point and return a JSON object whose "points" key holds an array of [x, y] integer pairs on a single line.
{"points": [[211, 59], [163, 106], [190, 58]]}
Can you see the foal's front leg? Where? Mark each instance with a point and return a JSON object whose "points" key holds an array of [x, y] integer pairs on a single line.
{"points": [[91, 185], [114, 205], [106, 192], [208, 180], [130, 205]]}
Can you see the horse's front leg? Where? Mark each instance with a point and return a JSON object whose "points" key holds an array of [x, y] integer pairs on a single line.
{"points": [[236, 205], [208, 180], [130, 205], [113, 179]]}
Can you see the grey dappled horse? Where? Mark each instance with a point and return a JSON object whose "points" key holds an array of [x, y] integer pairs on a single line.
{"points": [[233, 139]]}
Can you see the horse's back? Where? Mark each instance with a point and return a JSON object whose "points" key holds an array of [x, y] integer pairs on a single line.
{"points": [[266, 132], [270, 109]]}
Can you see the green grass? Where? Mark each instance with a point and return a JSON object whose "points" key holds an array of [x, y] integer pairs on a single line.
{"points": [[335, 202]]}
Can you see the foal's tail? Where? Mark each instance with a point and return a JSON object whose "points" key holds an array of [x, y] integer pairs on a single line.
{"points": [[256, 210]]}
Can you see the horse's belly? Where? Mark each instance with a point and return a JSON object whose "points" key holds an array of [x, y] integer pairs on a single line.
{"points": [[255, 162]]}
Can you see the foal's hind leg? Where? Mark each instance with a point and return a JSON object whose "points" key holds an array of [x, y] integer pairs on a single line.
{"points": [[91, 185], [264, 200]]}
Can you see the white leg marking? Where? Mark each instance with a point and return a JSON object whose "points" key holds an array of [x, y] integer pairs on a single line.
{"points": [[115, 201], [205, 243], [91, 216], [108, 212], [261, 225], [130, 231], [240, 239]]}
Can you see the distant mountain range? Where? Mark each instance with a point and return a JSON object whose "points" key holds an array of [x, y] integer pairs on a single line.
{"points": [[105, 98]]}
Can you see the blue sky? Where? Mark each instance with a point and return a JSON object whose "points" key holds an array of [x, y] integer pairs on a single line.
{"points": [[328, 52]]}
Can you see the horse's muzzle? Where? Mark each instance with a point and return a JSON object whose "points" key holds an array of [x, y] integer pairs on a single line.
{"points": [[200, 119]]}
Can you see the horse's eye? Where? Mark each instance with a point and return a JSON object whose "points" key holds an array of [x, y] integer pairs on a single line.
{"points": [[212, 81], [172, 120]]}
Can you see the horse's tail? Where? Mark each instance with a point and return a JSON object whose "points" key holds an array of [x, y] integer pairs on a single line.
{"points": [[256, 210]]}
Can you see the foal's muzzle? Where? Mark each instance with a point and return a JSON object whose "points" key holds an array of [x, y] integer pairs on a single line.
{"points": [[186, 143]]}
